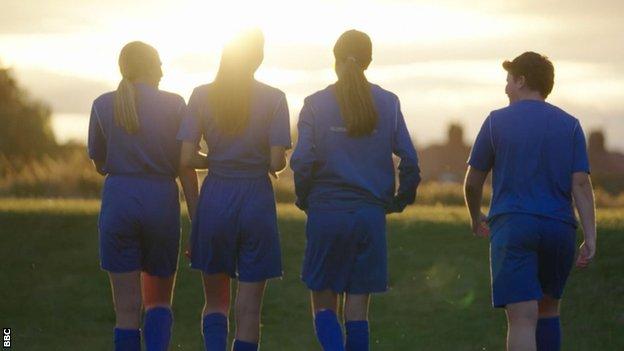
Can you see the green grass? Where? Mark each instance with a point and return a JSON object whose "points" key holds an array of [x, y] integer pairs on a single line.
{"points": [[55, 297]]}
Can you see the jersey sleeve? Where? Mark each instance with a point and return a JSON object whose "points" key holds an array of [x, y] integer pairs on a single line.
{"points": [[96, 143], [482, 153], [303, 158], [279, 133], [409, 171], [182, 110], [580, 161], [190, 128]]}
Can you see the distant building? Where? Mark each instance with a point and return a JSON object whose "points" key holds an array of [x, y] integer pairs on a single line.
{"points": [[445, 162], [607, 167]]}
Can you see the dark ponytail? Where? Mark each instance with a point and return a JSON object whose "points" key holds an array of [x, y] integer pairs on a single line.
{"points": [[353, 53]]}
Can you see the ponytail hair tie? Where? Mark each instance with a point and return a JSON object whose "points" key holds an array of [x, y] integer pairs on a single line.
{"points": [[351, 58]]}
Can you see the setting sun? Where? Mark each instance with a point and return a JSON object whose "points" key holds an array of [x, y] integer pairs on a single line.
{"points": [[442, 58]]}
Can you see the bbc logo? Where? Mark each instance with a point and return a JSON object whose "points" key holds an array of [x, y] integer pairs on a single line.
{"points": [[6, 340]]}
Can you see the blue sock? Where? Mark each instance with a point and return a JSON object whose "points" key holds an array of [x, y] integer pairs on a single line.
{"points": [[548, 334], [157, 328], [357, 335], [244, 346], [328, 331], [215, 327], [127, 340]]}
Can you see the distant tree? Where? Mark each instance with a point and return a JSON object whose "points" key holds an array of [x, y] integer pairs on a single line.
{"points": [[25, 129]]}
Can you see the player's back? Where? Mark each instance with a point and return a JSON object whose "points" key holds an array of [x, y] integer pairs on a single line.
{"points": [[247, 154], [536, 149], [353, 169], [153, 149]]}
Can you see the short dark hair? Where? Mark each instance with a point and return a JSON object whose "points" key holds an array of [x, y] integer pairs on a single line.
{"points": [[537, 70]]}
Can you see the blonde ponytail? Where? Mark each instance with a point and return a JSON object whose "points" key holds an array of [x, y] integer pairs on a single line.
{"points": [[137, 60], [125, 113], [231, 91]]}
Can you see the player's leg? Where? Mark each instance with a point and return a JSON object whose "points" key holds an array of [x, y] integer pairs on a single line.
{"points": [[259, 259], [330, 252], [157, 298], [324, 310], [120, 256], [369, 274], [521, 325], [213, 251], [248, 309], [556, 259], [514, 250], [126, 288], [216, 310], [160, 242], [548, 307], [548, 333], [356, 322]]}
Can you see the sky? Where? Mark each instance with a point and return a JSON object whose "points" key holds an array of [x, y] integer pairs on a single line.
{"points": [[442, 58]]}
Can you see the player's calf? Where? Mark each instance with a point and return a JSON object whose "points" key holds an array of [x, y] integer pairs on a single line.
{"points": [[548, 332]]}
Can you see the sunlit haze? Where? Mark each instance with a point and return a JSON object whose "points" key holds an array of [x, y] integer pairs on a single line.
{"points": [[442, 58]]}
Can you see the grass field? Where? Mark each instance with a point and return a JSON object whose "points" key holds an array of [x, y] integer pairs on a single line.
{"points": [[55, 297]]}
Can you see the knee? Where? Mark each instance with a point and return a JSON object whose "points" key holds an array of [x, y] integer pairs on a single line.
{"points": [[526, 319], [356, 307], [548, 307], [324, 300], [148, 305], [128, 308], [128, 314], [356, 312], [217, 301], [523, 313], [151, 306], [215, 307], [157, 297], [248, 309], [356, 315], [320, 305]]}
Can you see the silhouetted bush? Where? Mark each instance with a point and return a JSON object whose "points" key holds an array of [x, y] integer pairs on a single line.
{"points": [[25, 130]]}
